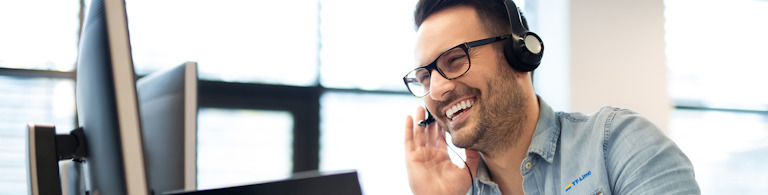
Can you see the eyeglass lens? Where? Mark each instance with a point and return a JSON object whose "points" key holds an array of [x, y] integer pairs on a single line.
{"points": [[451, 64]]}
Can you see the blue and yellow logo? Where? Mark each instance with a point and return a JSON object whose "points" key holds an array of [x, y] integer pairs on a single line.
{"points": [[582, 178]]}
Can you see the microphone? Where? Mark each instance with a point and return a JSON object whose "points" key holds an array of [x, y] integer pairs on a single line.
{"points": [[428, 121]]}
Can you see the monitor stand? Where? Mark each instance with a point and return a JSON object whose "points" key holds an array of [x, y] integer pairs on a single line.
{"points": [[44, 151]]}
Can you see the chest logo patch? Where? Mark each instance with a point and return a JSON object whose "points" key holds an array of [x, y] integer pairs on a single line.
{"points": [[575, 182]]}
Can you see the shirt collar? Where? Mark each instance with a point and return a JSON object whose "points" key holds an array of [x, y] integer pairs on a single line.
{"points": [[482, 174], [544, 140]]}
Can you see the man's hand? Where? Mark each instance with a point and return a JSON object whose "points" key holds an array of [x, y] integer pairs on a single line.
{"points": [[430, 170]]}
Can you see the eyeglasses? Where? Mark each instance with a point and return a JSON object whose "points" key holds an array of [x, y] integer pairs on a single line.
{"points": [[451, 64]]}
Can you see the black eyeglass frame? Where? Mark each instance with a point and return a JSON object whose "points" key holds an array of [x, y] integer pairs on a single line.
{"points": [[464, 46]]}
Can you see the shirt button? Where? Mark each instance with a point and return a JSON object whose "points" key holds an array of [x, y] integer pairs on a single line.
{"points": [[528, 165]]}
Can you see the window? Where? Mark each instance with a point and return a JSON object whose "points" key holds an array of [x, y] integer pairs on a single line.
{"points": [[285, 73], [358, 42], [39, 35], [715, 54], [26, 100], [239, 146], [724, 144], [368, 137], [272, 42], [38, 49]]}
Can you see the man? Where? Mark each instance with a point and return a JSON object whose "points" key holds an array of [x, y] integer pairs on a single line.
{"points": [[515, 143]]}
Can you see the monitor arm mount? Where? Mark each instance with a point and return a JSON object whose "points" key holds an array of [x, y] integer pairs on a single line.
{"points": [[44, 151]]}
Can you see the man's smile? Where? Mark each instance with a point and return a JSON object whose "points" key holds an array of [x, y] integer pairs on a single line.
{"points": [[456, 111]]}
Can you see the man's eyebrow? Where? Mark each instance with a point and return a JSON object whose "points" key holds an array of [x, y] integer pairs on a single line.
{"points": [[432, 58], [440, 52], [421, 64]]}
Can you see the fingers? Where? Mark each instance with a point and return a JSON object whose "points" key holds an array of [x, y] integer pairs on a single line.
{"points": [[409, 134], [414, 134], [419, 136]]}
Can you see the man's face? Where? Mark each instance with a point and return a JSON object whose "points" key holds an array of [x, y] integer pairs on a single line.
{"points": [[481, 106]]}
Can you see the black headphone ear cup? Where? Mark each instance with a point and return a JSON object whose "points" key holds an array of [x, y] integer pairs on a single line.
{"points": [[530, 51], [509, 54], [514, 54], [521, 59]]}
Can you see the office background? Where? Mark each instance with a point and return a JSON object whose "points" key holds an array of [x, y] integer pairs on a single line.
{"points": [[289, 86]]}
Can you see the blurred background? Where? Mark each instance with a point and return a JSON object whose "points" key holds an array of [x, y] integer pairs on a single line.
{"points": [[288, 86]]}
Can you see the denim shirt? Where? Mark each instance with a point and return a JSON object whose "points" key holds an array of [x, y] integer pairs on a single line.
{"points": [[614, 151]]}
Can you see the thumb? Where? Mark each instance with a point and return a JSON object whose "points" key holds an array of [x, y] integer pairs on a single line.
{"points": [[473, 160]]}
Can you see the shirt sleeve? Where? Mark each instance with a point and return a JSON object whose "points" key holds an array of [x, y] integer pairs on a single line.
{"points": [[642, 160]]}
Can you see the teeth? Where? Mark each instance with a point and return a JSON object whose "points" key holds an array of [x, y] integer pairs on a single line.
{"points": [[459, 106], [457, 116]]}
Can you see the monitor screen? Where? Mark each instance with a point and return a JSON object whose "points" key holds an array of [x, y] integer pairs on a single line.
{"points": [[168, 104], [310, 182], [107, 105]]}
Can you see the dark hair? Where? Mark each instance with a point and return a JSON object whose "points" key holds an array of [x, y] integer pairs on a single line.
{"points": [[492, 13]]}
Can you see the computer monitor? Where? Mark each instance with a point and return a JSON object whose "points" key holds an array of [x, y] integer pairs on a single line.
{"points": [[310, 182], [107, 104], [168, 104]]}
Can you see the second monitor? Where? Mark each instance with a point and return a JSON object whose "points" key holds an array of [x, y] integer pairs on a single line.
{"points": [[168, 106]]}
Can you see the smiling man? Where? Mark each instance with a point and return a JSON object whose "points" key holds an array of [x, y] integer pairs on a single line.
{"points": [[475, 59]]}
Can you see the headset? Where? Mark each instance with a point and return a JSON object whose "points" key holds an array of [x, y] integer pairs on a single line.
{"points": [[524, 49]]}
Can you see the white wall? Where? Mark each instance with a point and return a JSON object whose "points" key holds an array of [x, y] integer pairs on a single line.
{"points": [[552, 79], [615, 56]]}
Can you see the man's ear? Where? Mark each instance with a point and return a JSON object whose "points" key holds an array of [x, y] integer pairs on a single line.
{"points": [[523, 75], [523, 78], [520, 75]]}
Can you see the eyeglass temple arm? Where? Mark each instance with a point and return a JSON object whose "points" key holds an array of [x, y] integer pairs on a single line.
{"points": [[486, 41]]}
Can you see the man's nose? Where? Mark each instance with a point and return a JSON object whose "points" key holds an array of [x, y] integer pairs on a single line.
{"points": [[440, 86]]}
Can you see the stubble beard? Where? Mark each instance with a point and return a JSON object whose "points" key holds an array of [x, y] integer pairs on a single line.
{"points": [[500, 117]]}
